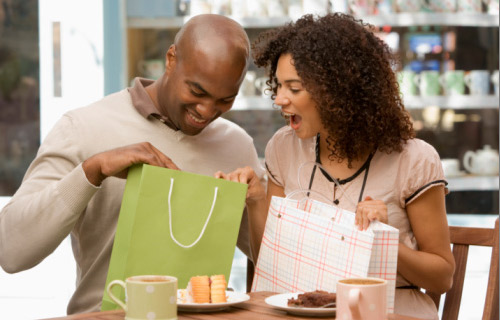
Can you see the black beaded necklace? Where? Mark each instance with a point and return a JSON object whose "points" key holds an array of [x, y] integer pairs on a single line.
{"points": [[365, 166]]}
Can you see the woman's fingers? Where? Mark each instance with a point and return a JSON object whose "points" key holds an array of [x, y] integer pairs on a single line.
{"points": [[370, 210]]}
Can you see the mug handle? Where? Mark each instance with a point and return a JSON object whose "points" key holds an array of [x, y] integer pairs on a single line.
{"points": [[469, 155], [115, 299], [354, 295], [468, 80], [442, 80]]}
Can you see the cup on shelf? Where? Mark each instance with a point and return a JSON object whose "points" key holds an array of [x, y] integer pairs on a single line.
{"points": [[409, 5], [256, 8], [482, 162], [247, 88], [453, 82], [494, 80], [295, 9], [361, 8], [428, 83], [151, 69], [493, 7], [339, 5], [318, 7], [441, 5], [451, 168], [239, 8], [478, 82], [470, 6], [200, 7], [407, 83], [276, 8], [222, 7]]}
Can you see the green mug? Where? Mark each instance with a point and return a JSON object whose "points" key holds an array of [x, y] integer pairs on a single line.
{"points": [[147, 297], [453, 82], [428, 83]]}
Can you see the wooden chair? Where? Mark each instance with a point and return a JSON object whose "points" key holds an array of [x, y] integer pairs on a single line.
{"points": [[462, 238]]}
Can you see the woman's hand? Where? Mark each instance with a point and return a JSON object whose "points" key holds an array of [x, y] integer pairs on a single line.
{"points": [[256, 191], [369, 210]]}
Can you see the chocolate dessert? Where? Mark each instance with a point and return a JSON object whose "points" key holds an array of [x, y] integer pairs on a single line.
{"points": [[313, 299]]}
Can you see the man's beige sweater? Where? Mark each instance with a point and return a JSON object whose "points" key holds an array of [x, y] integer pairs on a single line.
{"points": [[55, 198]]}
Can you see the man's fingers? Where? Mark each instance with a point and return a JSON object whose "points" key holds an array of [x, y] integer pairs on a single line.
{"points": [[220, 175]]}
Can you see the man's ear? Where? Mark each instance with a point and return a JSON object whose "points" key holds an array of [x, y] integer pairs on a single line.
{"points": [[170, 59]]}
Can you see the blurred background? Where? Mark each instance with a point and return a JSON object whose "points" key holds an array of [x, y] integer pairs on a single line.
{"points": [[56, 55]]}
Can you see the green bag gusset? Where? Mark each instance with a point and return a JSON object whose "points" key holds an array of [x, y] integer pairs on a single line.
{"points": [[197, 244]]}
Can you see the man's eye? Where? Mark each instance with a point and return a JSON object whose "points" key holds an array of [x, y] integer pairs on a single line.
{"points": [[197, 94], [228, 100]]}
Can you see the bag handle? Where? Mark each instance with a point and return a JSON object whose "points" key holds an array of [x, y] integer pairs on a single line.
{"points": [[170, 217]]}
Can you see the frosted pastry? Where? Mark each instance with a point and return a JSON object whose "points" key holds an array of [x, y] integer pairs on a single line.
{"points": [[218, 289], [198, 289]]}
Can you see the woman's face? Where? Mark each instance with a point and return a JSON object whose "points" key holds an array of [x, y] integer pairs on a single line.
{"points": [[296, 103]]}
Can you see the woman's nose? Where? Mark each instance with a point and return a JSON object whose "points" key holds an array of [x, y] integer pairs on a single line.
{"points": [[281, 99]]}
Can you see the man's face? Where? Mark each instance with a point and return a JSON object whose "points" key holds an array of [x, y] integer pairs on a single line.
{"points": [[196, 90]]}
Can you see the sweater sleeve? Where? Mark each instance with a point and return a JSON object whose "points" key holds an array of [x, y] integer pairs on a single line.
{"points": [[51, 198]]}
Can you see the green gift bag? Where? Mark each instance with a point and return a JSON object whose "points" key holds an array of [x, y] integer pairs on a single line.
{"points": [[175, 223]]}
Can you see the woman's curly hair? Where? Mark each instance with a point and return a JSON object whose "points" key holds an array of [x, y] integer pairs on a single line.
{"points": [[347, 70]]}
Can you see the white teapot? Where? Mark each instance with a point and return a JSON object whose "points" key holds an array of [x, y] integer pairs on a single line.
{"points": [[482, 162]]}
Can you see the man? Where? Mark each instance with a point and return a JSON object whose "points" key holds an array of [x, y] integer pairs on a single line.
{"points": [[73, 186]]}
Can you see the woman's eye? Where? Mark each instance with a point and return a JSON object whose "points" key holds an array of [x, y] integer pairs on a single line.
{"points": [[294, 90]]}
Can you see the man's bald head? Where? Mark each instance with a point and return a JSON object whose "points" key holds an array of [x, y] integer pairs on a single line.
{"points": [[214, 36]]}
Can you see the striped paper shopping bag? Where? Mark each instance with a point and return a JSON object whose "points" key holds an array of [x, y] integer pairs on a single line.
{"points": [[309, 245]]}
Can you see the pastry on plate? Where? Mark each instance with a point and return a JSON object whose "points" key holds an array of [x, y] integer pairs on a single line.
{"points": [[202, 289]]}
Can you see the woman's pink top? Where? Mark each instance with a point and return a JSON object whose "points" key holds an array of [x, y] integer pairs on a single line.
{"points": [[397, 178]]}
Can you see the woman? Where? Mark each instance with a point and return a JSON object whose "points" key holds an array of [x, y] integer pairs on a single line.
{"points": [[333, 80]]}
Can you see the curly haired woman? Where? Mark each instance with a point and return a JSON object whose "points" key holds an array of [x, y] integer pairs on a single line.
{"points": [[333, 80]]}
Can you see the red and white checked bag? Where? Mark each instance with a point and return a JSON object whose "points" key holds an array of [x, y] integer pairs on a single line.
{"points": [[309, 245]]}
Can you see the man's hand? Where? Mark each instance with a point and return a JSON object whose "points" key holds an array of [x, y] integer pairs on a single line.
{"points": [[369, 210], [117, 161], [256, 190]]}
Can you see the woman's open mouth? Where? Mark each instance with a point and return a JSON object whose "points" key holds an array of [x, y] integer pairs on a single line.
{"points": [[293, 119]]}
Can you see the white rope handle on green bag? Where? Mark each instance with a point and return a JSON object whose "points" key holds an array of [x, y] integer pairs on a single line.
{"points": [[170, 217]]}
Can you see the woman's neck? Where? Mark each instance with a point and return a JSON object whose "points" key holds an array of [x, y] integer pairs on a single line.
{"points": [[338, 169]]}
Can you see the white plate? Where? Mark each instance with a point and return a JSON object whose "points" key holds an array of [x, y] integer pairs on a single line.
{"points": [[232, 299], [280, 301]]}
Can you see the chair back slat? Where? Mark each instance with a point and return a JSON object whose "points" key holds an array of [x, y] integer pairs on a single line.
{"points": [[462, 238], [491, 302], [472, 236], [454, 296]]}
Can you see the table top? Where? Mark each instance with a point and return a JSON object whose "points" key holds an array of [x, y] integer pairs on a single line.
{"points": [[255, 308]]}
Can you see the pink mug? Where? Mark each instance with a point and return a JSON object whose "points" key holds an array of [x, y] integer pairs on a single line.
{"points": [[362, 298]]}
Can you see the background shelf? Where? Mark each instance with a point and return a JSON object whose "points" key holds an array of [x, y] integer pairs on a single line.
{"points": [[473, 183], [405, 19], [411, 102]]}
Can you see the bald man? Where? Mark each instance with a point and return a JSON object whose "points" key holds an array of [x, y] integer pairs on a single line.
{"points": [[75, 184]]}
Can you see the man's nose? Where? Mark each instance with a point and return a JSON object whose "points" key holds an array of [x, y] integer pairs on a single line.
{"points": [[207, 109]]}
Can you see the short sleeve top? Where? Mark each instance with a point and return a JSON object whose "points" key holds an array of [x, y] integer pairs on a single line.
{"points": [[397, 178]]}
